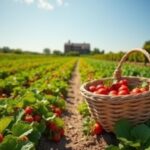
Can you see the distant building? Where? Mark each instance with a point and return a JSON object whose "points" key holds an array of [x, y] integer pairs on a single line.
{"points": [[82, 48]]}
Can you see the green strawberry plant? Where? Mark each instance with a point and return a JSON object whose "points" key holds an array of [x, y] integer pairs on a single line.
{"points": [[28, 112], [131, 137]]}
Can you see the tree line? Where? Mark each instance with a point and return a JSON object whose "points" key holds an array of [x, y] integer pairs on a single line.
{"points": [[46, 51], [135, 57], [95, 53]]}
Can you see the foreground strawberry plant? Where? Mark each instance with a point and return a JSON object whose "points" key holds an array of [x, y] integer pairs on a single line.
{"points": [[30, 121], [131, 137]]}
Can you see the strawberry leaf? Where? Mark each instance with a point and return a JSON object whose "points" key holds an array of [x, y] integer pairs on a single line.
{"points": [[21, 129], [141, 133], [4, 122], [122, 129]]}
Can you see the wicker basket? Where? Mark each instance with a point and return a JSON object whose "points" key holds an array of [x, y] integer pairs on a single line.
{"points": [[109, 109]]}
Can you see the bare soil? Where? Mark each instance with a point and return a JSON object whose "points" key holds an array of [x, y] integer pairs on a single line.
{"points": [[74, 138]]}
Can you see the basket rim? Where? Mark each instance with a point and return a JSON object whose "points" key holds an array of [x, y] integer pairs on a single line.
{"points": [[83, 90]]}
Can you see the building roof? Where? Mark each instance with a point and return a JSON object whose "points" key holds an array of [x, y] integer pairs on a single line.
{"points": [[85, 45]]}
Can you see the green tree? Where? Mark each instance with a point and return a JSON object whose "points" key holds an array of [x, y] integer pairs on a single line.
{"points": [[57, 52], [46, 51], [17, 51], [96, 51], [146, 47], [6, 49]]}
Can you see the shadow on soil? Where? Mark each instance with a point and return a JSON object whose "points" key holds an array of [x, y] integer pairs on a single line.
{"points": [[46, 144], [109, 138]]}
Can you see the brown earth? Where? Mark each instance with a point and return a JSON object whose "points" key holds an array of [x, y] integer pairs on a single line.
{"points": [[74, 138]]}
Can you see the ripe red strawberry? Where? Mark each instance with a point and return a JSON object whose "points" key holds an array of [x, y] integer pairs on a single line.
{"points": [[58, 112], [113, 92], [115, 86], [29, 118], [136, 91], [52, 126], [123, 82], [123, 87], [99, 86], [37, 118], [92, 88], [103, 91], [97, 129], [123, 92], [1, 137], [143, 89], [28, 110]]}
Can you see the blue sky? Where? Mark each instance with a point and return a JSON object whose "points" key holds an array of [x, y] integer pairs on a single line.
{"points": [[111, 25]]}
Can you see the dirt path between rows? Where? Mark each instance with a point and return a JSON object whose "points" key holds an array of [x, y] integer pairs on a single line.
{"points": [[74, 138]]}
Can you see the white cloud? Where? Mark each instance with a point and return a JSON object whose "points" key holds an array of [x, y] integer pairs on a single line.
{"points": [[25, 1], [29, 1], [44, 4], [60, 2]]}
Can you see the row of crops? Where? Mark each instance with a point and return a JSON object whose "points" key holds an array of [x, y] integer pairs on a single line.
{"points": [[32, 100], [95, 69], [10, 64]]}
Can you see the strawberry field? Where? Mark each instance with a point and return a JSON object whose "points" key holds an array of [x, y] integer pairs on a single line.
{"points": [[35, 103], [32, 93]]}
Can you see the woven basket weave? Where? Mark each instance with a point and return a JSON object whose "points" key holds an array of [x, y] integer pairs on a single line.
{"points": [[109, 109]]}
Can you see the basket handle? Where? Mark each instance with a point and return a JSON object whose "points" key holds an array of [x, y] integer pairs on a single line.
{"points": [[117, 72]]}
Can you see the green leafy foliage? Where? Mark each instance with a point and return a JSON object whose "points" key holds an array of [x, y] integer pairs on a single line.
{"points": [[87, 125], [21, 129], [83, 109], [94, 69], [122, 128], [13, 143], [59, 122], [131, 137], [4, 122], [40, 83]]}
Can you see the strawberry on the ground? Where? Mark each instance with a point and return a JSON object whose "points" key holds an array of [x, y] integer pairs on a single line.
{"points": [[97, 129]]}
